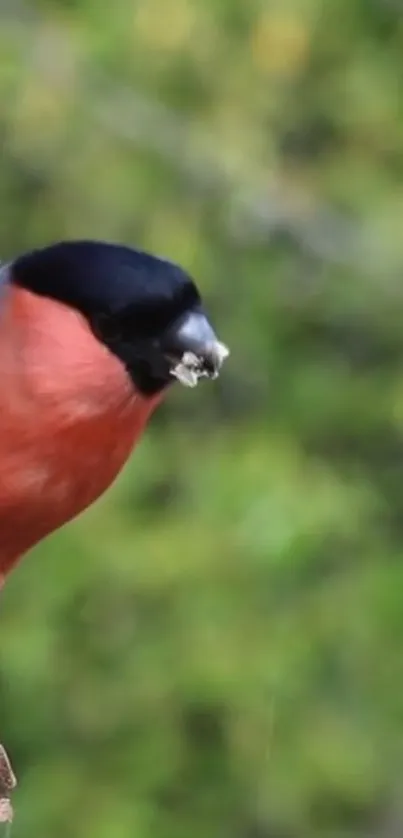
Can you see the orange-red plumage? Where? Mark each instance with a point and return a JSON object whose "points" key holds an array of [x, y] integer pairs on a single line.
{"points": [[69, 417]]}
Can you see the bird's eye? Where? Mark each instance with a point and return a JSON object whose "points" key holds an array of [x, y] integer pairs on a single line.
{"points": [[106, 328]]}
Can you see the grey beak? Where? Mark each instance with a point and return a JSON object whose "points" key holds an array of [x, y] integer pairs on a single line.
{"points": [[192, 335]]}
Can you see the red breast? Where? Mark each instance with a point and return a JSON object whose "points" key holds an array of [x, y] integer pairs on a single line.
{"points": [[69, 418]]}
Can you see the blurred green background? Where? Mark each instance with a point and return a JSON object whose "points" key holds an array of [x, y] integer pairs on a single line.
{"points": [[216, 648]]}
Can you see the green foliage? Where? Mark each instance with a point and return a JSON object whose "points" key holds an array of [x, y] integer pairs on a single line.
{"points": [[216, 648]]}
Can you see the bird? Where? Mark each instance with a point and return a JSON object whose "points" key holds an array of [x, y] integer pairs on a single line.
{"points": [[92, 336]]}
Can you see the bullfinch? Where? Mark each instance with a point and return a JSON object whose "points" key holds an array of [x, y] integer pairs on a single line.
{"points": [[92, 335]]}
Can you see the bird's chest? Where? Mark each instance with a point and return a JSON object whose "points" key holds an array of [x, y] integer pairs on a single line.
{"points": [[63, 472], [47, 478], [69, 418]]}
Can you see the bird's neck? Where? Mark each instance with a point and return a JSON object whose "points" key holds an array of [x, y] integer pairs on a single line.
{"points": [[69, 418]]}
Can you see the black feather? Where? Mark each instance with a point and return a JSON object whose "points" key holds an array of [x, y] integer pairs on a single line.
{"points": [[129, 297]]}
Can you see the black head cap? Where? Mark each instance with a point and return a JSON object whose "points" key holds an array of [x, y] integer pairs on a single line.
{"points": [[146, 310]]}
